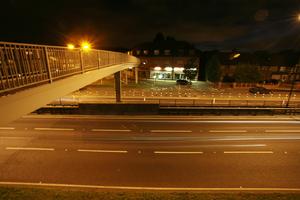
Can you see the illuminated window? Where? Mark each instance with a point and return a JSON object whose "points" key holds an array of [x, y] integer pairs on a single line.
{"points": [[145, 52], [138, 52], [156, 52], [168, 69]]}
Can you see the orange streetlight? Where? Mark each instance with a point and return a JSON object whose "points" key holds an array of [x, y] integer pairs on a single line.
{"points": [[86, 46], [71, 46]]}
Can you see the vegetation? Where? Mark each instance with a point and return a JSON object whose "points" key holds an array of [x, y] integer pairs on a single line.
{"points": [[10, 193], [191, 69], [247, 73], [213, 68]]}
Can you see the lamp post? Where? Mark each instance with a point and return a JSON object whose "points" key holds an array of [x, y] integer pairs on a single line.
{"points": [[293, 73]]}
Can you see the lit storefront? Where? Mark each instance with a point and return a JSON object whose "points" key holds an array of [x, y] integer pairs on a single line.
{"points": [[167, 73]]}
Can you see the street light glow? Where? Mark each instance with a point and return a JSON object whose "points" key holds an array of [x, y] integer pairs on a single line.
{"points": [[86, 46], [70, 46], [298, 17], [236, 55]]}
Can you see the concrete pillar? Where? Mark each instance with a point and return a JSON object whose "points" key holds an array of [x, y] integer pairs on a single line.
{"points": [[136, 75], [117, 76], [126, 76]]}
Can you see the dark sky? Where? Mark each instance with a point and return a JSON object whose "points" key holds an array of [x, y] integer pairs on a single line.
{"points": [[224, 24]]}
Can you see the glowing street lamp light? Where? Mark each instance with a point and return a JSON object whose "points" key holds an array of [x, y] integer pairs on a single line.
{"points": [[298, 17], [86, 46], [236, 55], [71, 46]]}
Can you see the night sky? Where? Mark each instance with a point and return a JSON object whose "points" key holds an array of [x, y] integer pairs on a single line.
{"points": [[209, 24]]}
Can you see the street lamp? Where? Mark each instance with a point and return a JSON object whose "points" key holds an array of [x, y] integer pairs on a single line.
{"points": [[70, 46], [86, 46]]}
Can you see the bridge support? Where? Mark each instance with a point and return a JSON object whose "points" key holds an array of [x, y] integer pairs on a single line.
{"points": [[136, 72], [126, 76], [117, 76]]}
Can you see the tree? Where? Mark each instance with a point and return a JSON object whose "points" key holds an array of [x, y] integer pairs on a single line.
{"points": [[213, 71], [190, 69], [247, 73], [159, 38]]}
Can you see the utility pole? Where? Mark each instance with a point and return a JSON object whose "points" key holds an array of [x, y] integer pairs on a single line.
{"points": [[292, 87]]}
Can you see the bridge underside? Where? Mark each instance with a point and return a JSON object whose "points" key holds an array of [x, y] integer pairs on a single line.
{"points": [[23, 102]]}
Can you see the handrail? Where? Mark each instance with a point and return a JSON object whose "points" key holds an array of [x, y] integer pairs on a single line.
{"points": [[23, 65]]}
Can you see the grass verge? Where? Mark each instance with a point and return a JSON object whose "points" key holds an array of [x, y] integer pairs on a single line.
{"points": [[27, 193]]}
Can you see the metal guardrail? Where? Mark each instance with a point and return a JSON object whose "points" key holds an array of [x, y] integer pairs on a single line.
{"points": [[23, 65], [183, 102]]}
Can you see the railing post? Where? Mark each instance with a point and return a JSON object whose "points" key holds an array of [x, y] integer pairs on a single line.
{"points": [[81, 61], [99, 59], [48, 65]]}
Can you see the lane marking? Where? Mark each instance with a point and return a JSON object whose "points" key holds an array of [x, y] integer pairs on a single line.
{"points": [[227, 131], [111, 130], [178, 152], [54, 129], [148, 188], [248, 145], [7, 128], [170, 131], [248, 152], [282, 131], [29, 148], [101, 151]]}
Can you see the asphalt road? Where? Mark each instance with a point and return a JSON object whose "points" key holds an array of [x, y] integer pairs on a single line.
{"points": [[158, 153]]}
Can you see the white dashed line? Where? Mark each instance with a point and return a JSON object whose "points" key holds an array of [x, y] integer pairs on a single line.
{"points": [[282, 131], [54, 129], [170, 131], [248, 152], [178, 152], [227, 131], [111, 130], [7, 128], [29, 149], [101, 151]]}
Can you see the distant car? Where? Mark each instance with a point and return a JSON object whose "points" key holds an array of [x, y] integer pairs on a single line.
{"points": [[259, 90], [182, 82]]}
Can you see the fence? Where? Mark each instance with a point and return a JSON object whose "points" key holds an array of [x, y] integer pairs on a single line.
{"points": [[23, 65], [183, 102]]}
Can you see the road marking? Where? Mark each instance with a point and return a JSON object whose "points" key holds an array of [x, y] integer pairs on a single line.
{"points": [[7, 128], [248, 145], [227, 131], [101, 151], [170, 131], [148, 188], [178, 152], [111, 130], [248, 152], [282, 131], [29, 148], [54, 129]]}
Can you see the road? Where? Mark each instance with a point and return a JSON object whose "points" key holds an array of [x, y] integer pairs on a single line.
{"points": [[143, 152]]}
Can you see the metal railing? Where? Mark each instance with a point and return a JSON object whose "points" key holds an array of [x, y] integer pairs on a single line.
{"points": [[173, 102], [23, 65]]}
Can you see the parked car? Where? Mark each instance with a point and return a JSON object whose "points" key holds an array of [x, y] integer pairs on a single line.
{"points": [[183, 82], [259, 90]]}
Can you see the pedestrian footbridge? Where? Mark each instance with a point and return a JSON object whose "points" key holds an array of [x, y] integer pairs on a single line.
{"points": [[33, 75]]}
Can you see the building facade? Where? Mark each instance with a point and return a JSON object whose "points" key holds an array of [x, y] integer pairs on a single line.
{"points": [[165, 59]]}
